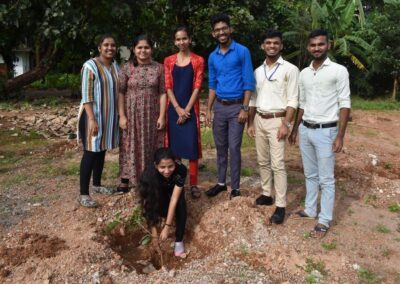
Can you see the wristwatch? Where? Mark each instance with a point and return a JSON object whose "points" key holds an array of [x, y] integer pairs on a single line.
{"points": [[244, 107]]}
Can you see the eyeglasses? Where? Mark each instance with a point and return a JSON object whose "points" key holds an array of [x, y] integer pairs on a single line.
{"points": [[223, 29]]}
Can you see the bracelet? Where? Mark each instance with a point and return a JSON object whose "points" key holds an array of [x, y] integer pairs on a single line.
{"points": [[167, 225], [176, 106]]}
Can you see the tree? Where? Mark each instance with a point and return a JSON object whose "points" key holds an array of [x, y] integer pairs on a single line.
{"points": [[383, 31], [53, 28], [343, 19]]}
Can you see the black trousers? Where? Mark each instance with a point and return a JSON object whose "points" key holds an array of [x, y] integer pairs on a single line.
{"points": [[180, 213], [92, 162]]}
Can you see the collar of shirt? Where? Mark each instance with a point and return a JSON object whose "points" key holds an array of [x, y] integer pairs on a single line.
{"points": [[231, 47], [325, 63], [280, 61], [269, 71]]}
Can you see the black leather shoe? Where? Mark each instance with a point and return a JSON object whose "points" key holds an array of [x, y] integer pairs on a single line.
{"points": [[234, 193], [213, 191], [278, 216], [264, 200]]}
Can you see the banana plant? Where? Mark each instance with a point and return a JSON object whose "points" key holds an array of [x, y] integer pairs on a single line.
{"points": [[342, 19]]}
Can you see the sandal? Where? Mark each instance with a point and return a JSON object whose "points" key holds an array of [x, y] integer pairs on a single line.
{"points": [[301, 214], [122, 188], [195, 192], [87, 201], [103, 190], [319, 231]]}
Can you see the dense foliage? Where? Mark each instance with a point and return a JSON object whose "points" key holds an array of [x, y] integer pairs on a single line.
{"points": [[62, 33]]}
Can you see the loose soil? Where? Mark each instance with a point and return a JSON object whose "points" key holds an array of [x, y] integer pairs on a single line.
{"points": [[46, 237]]}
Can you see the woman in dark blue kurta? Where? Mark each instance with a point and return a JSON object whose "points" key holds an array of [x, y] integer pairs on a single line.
{"points": [[183, 78], [184, 142]]}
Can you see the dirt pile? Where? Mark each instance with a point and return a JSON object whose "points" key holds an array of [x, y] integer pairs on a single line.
{"points": [[32, 245]]}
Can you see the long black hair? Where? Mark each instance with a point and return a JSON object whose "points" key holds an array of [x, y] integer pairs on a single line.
{"points": [[135, 43], [148, 187]]}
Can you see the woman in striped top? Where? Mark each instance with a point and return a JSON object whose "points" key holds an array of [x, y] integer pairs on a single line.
{"points": [[98, 117]]}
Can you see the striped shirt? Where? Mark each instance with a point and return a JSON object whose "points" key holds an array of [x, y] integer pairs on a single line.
{"points": [[100, 87]]}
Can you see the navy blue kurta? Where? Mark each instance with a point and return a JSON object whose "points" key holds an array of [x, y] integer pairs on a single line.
{"points": [[183, 137]]}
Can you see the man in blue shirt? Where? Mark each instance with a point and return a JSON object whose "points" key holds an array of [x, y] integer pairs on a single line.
{"points": [[231, 81]]}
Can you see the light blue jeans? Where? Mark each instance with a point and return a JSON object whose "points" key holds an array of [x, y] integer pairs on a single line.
{"points": [[319, 166]]}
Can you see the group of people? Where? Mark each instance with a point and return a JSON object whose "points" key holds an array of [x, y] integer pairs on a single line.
{"points": [[156, 110]]}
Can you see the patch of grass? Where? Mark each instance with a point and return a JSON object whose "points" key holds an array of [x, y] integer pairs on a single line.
{"points": [[311, 279], [14, 179], [6, 105], [247, 172], [388, 165], [329, 246], [307, 235], [111, 170], [397, 239], [368, 277], [12, 139], [211, 169], [59, 81], [37, 199], [371, 133], [52, 171], [207, 139], [294, 180], [363, 104], [244, 249], [382, 229], [394, 207], [350, 212], [387, 252], [71, 169], [312, 265], [303, 202], [370, 199], [248, 141]]}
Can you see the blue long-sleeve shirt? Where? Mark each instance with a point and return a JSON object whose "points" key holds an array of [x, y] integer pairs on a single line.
{"points": [[231, 74]]}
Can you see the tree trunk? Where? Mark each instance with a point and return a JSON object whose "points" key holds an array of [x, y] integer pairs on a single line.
{"points": [[395, 87], [35, 74]]}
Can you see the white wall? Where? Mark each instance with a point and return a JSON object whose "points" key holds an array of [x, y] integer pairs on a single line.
{"points": [[21, 63]]}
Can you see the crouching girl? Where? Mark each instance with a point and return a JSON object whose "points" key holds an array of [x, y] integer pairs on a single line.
{"points": [[162, 197]]}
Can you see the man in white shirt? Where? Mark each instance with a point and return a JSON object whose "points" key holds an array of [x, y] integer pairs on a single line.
{"points": [[324, 108], [271, 110]]}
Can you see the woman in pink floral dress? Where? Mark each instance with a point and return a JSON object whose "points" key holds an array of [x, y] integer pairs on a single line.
{"points": [[141, 105]]}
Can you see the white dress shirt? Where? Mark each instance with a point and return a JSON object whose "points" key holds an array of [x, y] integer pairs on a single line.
{"points": [[276, 87], [323, 92]]}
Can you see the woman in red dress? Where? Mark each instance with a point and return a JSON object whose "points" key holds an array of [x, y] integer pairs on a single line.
{"points": [[183, 78]]}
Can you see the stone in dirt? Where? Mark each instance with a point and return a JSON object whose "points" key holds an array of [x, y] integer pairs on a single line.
{"points": [[149, 269]]}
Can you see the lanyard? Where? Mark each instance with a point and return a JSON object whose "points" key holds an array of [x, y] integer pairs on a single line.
{"points": [[270, 77]]}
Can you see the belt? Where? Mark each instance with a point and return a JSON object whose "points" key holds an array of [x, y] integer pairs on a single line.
{"points": [[269, 115], [229, 102], [319, 125]]}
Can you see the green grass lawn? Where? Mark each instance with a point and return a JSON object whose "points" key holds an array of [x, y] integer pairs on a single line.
{"points": [[377, 104]]}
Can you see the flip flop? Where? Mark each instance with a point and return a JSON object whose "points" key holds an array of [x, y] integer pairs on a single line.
{"points": [[301, 214], [319, 231]]}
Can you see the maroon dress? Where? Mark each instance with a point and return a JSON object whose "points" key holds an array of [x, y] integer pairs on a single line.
{"points": [[141, 86]]}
